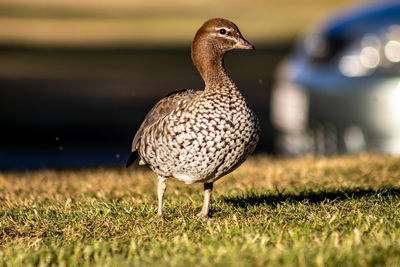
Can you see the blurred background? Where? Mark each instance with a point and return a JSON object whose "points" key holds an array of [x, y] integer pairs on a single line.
{"points": [[78, 76]]}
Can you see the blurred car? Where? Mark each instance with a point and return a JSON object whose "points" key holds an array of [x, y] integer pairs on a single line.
{"points": [[339, 90]]}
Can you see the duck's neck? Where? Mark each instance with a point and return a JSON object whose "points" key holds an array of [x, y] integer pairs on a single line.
{"points": [[210, 64]]}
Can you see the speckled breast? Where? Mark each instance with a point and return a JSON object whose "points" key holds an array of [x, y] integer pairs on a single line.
{"points": [[204, 141]]}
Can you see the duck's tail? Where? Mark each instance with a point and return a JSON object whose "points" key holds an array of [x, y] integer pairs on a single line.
{"points": [[132, 158]]}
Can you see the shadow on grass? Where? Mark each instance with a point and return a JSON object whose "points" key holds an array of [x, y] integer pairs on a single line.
{"points": [[249, 199]]}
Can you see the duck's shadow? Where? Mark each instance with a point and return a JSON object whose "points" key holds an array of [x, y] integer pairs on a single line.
{"points": [[273, 199]]}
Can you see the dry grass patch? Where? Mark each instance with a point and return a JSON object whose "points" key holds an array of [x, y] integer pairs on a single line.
{"points": [[93, 23]]}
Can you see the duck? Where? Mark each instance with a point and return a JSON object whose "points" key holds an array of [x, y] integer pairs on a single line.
{"points": [[199, 136]]}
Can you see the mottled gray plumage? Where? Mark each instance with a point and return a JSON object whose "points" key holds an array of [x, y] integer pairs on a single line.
{"points": [[200, 136]]}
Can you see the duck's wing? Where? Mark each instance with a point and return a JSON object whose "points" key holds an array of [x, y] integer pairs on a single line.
{"points": [[163, 107]]}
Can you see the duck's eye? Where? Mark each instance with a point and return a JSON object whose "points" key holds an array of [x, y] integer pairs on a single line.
{"points": [[222, 31]]}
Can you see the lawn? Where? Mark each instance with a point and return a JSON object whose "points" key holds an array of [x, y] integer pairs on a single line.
{"points": [[154, 23], [340, 211]]}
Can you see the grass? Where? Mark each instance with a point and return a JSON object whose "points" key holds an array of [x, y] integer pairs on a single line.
{"points": [[155, 23], [341, 211]]}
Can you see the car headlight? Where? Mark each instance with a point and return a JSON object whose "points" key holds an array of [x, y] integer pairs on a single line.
{"points": [[374, 51], [364, 60], [392, 47], [392, 51]]}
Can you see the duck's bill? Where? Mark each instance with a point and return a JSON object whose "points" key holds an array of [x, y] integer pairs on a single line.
{"points": [[243, 44]]}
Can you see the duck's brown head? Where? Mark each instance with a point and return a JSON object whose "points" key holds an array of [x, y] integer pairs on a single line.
{"points": [[214, 38]]}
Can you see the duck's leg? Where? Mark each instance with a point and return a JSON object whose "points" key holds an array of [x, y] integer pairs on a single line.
{"points": [[208, 187], [161, 190]]}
